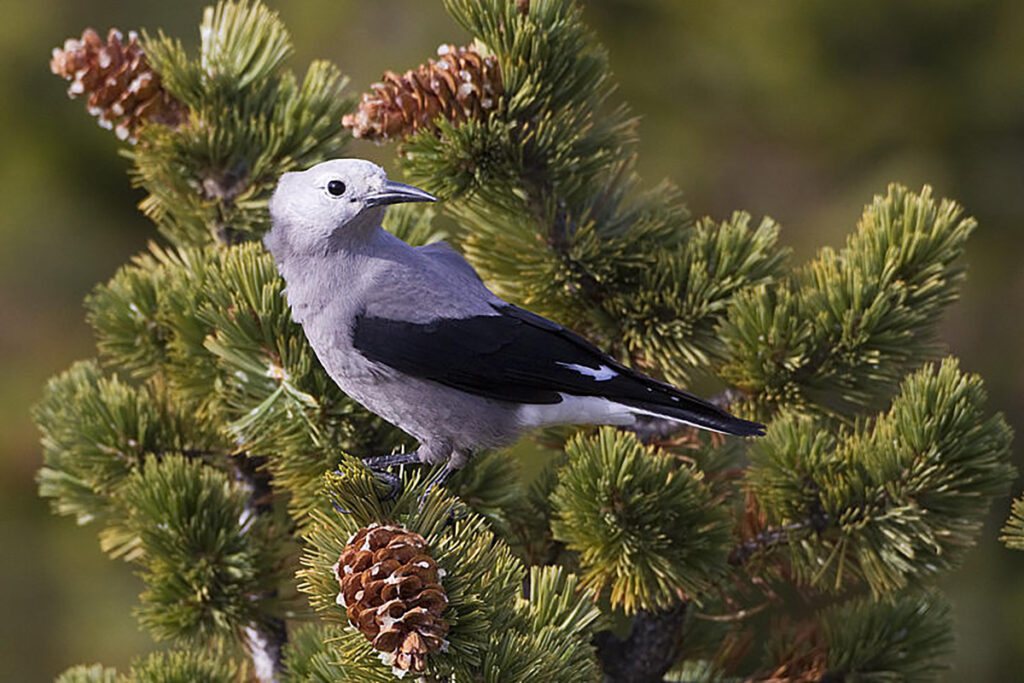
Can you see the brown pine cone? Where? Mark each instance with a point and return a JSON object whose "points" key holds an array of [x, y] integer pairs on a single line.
{"points": [[123, 90], [391, 591], [461, 84]]}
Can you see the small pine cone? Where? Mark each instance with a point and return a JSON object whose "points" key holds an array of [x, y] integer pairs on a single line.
{"points": [[391, 591], [461, 84], [123, 90]]}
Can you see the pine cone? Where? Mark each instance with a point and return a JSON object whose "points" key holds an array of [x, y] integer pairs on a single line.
{"points": [[123, 90], [461, 84], [391, 590]]}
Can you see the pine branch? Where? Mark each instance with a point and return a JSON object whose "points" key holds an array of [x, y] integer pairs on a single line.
{"points": [[842, 332], [1013, 530], [175, 666], [265, 645], [903, 640], [179, 666], [494, 632], [82, 673], [97, 430], [213, 326], [773, 536], [671, 316], [898, 500], [265, 639], [311, 657], [644, 528], [491, 488], [530, 525], [596, 253], [557, 617], [250, 121], [210, 566]]}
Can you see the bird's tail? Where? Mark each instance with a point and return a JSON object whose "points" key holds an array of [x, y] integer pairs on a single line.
{"points": [[697, 413]]}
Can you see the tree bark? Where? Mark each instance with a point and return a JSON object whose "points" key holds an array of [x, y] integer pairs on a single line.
{"points": [[264, 639], [651, 648]]}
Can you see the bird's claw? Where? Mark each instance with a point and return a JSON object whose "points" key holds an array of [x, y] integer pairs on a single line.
{"points": [[379, 465], [394, 483], [395, 488]]}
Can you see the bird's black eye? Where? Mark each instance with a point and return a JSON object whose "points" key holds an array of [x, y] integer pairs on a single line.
{"points": [[336, 187]]}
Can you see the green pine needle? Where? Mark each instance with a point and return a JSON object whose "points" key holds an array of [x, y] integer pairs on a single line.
{"points": [[491, 486], [242, 43], [482, 581], [250, 120], [213, 325], [673, 314], [209, 560], [645, 528], [96, 430], [1013, 530], [897, 501], [905, 640], [852, 323], [83, 673], [311, 656], [552, 214], [185, 666], [414, 224]]}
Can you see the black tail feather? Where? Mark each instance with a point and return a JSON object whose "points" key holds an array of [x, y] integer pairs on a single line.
{"points": [[699, 413]]}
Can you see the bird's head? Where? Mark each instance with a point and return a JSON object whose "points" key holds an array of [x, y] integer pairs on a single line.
{"points": [[311, 209]]}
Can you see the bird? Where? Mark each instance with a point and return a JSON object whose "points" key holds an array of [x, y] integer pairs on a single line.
{"points": [[415, 336]]}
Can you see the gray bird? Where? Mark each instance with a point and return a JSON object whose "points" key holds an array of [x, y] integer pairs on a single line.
{"points": [[413, 334]]}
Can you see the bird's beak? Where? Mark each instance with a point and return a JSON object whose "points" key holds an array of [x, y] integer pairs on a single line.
{"points": [[396, 193]]}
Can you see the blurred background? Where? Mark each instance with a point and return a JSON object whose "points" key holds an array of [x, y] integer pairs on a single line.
{"points": [[798, 109]]}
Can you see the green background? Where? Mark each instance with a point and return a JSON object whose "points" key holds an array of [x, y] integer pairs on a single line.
{"points": [[796, 109]]}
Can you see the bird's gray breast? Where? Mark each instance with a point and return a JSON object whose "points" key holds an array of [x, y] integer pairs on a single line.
{"points": [[325, 296]]}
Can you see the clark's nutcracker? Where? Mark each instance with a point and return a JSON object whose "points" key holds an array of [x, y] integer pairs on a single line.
{"points": [[413, 334]]}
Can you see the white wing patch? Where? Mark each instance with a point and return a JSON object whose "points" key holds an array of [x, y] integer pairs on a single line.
{"points": [[600, 374]]}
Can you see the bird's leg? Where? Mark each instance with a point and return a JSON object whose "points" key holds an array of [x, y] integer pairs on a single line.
{"points": [[442, 477], [439, 479], [454, 459], [454, 462], [381, 462]]}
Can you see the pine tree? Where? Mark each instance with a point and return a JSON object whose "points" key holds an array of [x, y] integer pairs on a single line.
{"points": [[208, 447]]}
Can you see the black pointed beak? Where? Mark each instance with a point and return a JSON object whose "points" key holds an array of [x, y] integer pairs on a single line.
{"points": [[397, 193]]}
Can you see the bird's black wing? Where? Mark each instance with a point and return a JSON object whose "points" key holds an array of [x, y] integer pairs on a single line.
{"points": [[521, 357]]}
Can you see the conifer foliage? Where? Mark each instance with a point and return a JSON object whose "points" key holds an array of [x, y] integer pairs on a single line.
{"points": [[208, 447]]}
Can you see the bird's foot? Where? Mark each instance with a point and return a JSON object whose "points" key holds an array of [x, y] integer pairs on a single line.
{"points": [[379, 467], [392, 481], [389, 479]]}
